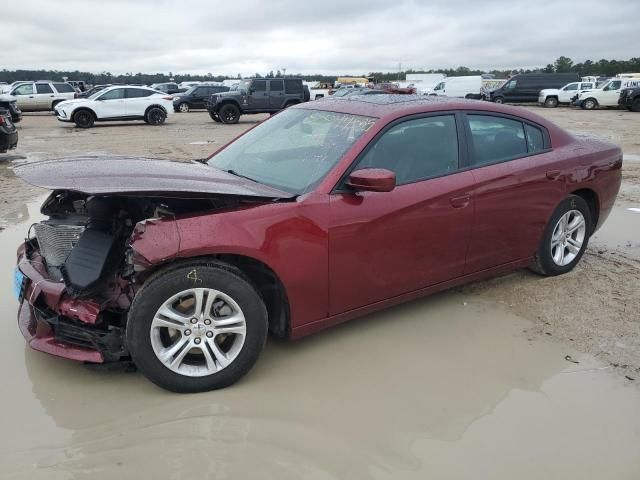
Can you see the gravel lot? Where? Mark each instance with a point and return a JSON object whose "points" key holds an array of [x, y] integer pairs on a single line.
{"points": [[485, 373]]}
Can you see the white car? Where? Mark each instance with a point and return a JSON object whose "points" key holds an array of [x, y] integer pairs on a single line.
{"points": [[552, 97], [607, 95], [117, 103]]}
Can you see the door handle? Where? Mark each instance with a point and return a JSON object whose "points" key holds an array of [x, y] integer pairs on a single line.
{"points": [[460, 201], [553, 174]]}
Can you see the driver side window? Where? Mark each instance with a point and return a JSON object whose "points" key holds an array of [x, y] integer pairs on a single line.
{"points": [[116, 94], [416, 149], [571, 86], [24, 90]]}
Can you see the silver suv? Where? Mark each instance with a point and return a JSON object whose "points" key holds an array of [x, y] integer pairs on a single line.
{"points": [[41, 96]]}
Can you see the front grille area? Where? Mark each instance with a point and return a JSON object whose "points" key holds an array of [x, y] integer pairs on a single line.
{"points": [[56, 242]]}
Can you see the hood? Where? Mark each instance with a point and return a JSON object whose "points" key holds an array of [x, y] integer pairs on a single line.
{"points": [[7, 98], [111, 174]]}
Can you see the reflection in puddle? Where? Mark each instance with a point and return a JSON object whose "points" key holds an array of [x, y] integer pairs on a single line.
{"points": [[621, 232], [446, 387]]}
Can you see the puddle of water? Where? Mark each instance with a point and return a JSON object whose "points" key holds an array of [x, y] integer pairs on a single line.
{"points": [[440, 387], [620, 232]]}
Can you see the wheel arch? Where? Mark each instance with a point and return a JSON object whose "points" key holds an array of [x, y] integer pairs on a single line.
{"points": [[228, 101], [263, 278], [154, 105], [593, 200]]}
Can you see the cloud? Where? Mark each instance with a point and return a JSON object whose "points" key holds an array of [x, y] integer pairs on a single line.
{"points": [[248, 36]]}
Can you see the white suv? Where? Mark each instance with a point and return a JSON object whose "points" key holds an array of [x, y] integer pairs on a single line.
{"points": [[551, 97], [117, 103], [41, 96]]}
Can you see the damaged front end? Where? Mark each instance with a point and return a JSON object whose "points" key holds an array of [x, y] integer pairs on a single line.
{"points": [[80, 268]]}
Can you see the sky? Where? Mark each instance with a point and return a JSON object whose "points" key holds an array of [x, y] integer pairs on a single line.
{"points": [[302, 36]]}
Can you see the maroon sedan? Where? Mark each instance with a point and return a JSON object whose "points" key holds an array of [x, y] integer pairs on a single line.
{"points": [[325, 212]]}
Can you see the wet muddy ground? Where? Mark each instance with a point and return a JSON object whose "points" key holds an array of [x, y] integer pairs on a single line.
{"points": [[475, 383]]}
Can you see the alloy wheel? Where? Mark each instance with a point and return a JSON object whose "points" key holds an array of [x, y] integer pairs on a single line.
{"points": [[183, 107], [568, 237], [198, 332]]}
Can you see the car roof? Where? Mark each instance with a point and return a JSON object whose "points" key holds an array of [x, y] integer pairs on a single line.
{"points": [[395, 106]]}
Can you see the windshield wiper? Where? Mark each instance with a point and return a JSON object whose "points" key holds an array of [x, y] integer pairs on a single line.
{"points": [[233, 172]]}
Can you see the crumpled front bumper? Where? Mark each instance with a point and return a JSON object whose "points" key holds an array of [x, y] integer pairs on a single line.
{"points": [[48, 316]]}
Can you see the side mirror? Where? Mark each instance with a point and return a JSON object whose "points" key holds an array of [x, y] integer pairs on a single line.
{"points": [[372, 180]]}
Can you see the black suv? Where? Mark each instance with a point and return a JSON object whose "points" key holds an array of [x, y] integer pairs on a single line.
{"points": [[525, 87], [630, 99], [196, 97], [257, 95], [10, 104]]}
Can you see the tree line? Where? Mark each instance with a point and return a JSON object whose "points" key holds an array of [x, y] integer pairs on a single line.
{"points": [[561, 65]]}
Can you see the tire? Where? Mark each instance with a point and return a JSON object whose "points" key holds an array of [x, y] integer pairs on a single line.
{"points": [[214, 116], [568, 250], [551, 102], [155, 116], [192, 370], [84, 118], [183, 107], [229, 114], [498, 100], [590, 104], [53, 105], [635, 106]]}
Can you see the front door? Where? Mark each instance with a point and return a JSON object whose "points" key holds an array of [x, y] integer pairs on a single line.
{"points": [[610, 94], [200, 96], [26, 95], [112, 104], [258, 98], [385, 244]]}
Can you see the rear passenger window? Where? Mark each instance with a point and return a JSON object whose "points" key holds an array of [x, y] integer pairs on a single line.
{"points": [[416, 149], [292, 86], [276, 85], [496, 139], [63, 88], [138, 92], [535, 139], [43, 88]]}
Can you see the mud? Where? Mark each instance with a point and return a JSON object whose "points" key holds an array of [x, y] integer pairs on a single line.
{"points": [[475, 383]]}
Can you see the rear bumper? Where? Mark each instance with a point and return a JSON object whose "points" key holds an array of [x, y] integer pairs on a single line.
{"points": [[52, 322]]}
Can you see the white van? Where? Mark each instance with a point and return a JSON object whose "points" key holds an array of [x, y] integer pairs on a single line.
{"points": [[607, 95], [461, 87]]}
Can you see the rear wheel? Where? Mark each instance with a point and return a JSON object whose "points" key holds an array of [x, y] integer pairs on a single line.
{"points": [[229, 114], [635, 106], [197, 327], [155, 116], [84, 119], [590, 104], [565, 238], [551, 102]]}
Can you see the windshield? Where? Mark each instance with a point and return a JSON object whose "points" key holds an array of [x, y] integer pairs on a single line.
{"points": [[95, 94], [294, 150], [241, 85]]}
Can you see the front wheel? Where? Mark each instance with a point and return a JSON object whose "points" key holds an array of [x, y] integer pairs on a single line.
{"points": [[229, 114], [498, 100], [84, 119], [565, 238], [551, 102], [155, 116], [183, 107], [197, 327], [214, 116]]}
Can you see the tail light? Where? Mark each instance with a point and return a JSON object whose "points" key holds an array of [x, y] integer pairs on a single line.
{"points": [[167, 98], [2, 120]]}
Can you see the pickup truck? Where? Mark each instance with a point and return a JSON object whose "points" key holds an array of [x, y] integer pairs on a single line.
{"points": [[256, 95], [552, 97], [605, 96], [630, 99]]}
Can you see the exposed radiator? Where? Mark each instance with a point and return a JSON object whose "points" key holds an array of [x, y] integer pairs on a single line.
{"points": [[56, 242]]}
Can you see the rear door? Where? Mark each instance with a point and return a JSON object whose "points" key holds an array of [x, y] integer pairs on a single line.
{"points": [[137, 101], [44, 96], [276, 94], [516, 188], [384, 244]]}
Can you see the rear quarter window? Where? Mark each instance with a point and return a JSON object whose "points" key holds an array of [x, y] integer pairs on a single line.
{"points": [[292, 86], [63, 88], [535, 138]]}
